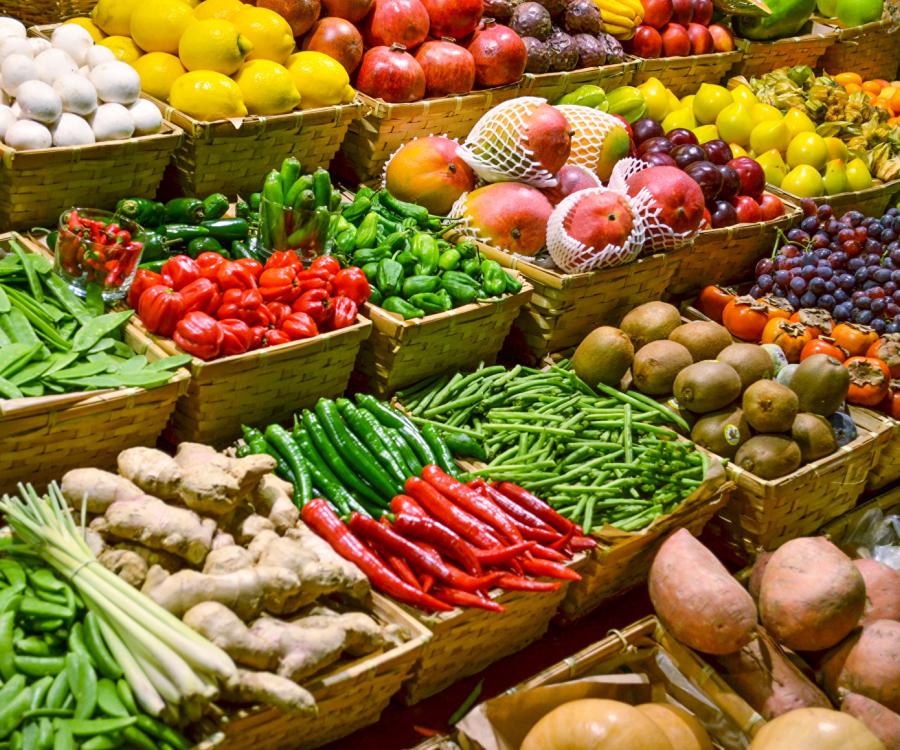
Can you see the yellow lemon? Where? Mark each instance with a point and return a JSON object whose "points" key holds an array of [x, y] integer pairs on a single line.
{"points": [[798, 122], [835, 180], [674, 103], [321, 80], [706, 133], [738, 150], [734, 123], [768, 135], [858, 175], [807, 148], [683, 117], [224, 9], [763, 113], [268, 88], [114, 16], [89, 26], [157, 26], [709, 100], [269, 33], [205, 95], [688, 101], [804, 181], [656, 95], [837, 149], [744, 94], [213, 44], [123, 47], [158, 71], [774, 167]]}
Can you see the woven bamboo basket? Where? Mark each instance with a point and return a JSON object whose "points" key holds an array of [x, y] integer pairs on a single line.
{"points": [[728, 255], [886, 469], [384, 127], [36, 186], [683, 75], [552, 86], [840, 528], [402, 352], [566, 307], [872, 202], [31, 12], [764, 57], [348, 699], [872, 50], [259, 387]]}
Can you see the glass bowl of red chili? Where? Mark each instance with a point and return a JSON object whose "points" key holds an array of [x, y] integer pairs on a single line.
{"points": [[96, 247]]}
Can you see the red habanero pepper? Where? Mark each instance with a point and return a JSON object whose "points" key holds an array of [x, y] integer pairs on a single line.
{"points": [[199, 334], [318, 515], [465, 599], [246, 305], [209, 264], [263, 336], [202, 295], [281, 258], [540, 508], [279, 284], [298, 326], [344, 312], [143, 280], [161, 308], [182, 270], [232, 275], [515, 512], [456, 519], [317, 304], [326, 263], [351, 282], [428, 530], [278, 311], [252, 265], [550, 569], [519, 583], [236, 336], [502, 555]]}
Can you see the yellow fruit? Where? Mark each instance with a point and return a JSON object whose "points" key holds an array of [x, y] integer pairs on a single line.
{"points": [[89, 26], [673, 101], [706, 133], [224, 9], [837, 149], [158, 71], [688, 101], [835, 180], [858, 175], [213, 44], [804, 181], [268, 88], [269, 33], [114, 16], [683, 117], [738, 150], [734, 123], [743, 94], [764, 113], [774, 167], [157, 26], [807, 148], [123, 47], [207, 96], [709, 100], [321, 80], [656, 95], [768, 135], [797, 122]]}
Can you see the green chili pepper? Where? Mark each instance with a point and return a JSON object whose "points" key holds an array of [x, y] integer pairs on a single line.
{"points": [[372, 436], [431, 302], [375, 297], [215, 206], [322, 188], [425, 250], [227, 230], [403, 209], [242, 209], [146, 212], [203, 245], [467, 249], [358, 209], [449, 260], [493, 278], [281, 439], [367, 232], [272, 212], [402, 307], [155, 265], [513, 285], [345, 241], [184, 211], [240, 249], [175, 233], [419, 285], [389, 277], [460, 286], [471, 267], [440, 449], [405, 259], [290, 173]]}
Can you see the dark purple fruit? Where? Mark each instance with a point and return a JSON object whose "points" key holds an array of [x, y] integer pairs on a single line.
{"points": [[538, 55], [656, 144], [731, 182], [680, 136], [687, 153], [500, 10], [591, 53], [659, 159], [583, 17], [723, 215], [706, 175], [563, 53], [718, 152], [645, 129], [532, 19]]}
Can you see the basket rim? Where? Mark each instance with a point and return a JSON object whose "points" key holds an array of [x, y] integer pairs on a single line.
{"points": [[629, 63], [851, 32], [398, 110], [709, 59]]}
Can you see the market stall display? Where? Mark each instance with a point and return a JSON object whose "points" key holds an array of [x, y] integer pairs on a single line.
{"points": [[867, 38]]}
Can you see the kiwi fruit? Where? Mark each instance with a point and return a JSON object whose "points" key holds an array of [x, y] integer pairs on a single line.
{"points": [[651, 321], [821, 383], [707, 386], [769, 456], [770, 406], [751, 362], [722, 432], [814, 435], [604, 356], [656, 366], [703, 338]]}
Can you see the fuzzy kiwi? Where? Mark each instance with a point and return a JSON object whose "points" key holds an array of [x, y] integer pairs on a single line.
{"points": [[722, 432], [769, 456], [656, 366], [604, 356], [651, 321], [751, 361], [770, 406], [703, 338], [814, 435], [707, 386], [821, 383]]}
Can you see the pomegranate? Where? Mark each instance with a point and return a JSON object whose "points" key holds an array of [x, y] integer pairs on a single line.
{"points": [[428, 171], [570, 179], [349, 10], [392, 74], [509, 215], [500, 54], [449, 68], [599, 218], [336, 38], [453, 18], [678, 197], [396, 22], [300, 14]]}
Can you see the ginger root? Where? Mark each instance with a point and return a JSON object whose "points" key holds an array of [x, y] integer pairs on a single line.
{"points": [[251, 526], [356, 584], [128, 565], [155, 576], [265, 687], [226, 630], [97, 488], [273, 498], [227, 560]]}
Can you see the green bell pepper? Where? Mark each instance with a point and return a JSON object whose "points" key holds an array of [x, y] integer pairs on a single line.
{"points": [[432, 302], [788, 18], [462, 289], [467, 249], [402, 307], [413, 285], [375, 296], [424, 248], [513, 285], [389, 277], [344, 241], [405, 259], [493, 278]]}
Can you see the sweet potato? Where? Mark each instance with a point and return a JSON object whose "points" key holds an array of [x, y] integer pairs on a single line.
{"points": [[756, 573], [881, 721], [812, 595], [697, 599], [882, 591], [868, 663]]}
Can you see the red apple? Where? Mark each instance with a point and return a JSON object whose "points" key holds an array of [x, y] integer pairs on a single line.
{"points": [[675, 41], [647, 42], [657, 13], [683, 11], [748, 211], [707, 219], [703, 12], [770, 207], [753, 178], [701, 40], [722, 39]]}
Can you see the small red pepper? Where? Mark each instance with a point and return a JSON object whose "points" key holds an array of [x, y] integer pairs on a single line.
{"points": [[182, 270], [209, 264], [199, 334], [278, 311], [161, 308], [549, 569], [326, 263], [538, 507], [351, 282], [236, 337], [246, 305], [465, 599], [405, 504], [143, 280], [252, 265], [344, 312], [281, 258], [233, 275], [202, 295], [298, 326], [520, 583], [317, 304], [502, 555], [514, 511]]}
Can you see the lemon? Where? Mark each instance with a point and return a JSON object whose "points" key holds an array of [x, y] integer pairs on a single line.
{"points": [[123, 47], [213, 44], [89, 26], [837, 149], [657, 97], [321, 80], [707, 133], [688, 101], [804, 181], [807, 148], [205, 95], [709, 100], [683, 117], [157, 26], [770, 134], [858, 175], [268, 88], [114, 16], [158, 71], [798, 122], [224, 9], [744, 94], [734, 123], [763, 113], [269, 33]]}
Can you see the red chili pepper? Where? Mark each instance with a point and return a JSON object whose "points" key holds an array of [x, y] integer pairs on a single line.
{"points": [[465, 599], [430, 531], [514, 511], [318, 515], [161, 308], [199, 334], [74, 222], [236, 337], [281, 258], [326, 263], [232, 275], [246, 305], [550, 569], [427, 583], [182, 270], [278, 311], [202, 295], [252, 265], [519, 583], [351, 282], [143, 280], [541, 509], [547, 553], [298, 326], [582, 543], [402, 569], [562, 543], [317, 304], [405, 504], [537, 535], [344, 312], [209, 264], [502, 555], [455, 518]]}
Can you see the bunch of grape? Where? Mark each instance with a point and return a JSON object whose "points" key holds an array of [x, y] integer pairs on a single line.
{"points": [[849, 266]]}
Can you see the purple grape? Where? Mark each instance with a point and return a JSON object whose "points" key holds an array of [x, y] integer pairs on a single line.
{"points": [[853, 218], [846, 282], [840, 296], [798, 285], [882, 275], [824, 212], [765, 282], [878, 306], [896, 297], [808, 300], [809, 224], [854, 264], [861, 275], [766, 265], [892, 328], [826, 272], [826, 302], [879, 326], [863, 303], [863, 317], [822, 253], [868, 285], [817, 285], [808, 272], [838, 259], [777, 291], [782, 277], [842, 311], [755, 291], [793, 299], [830, 287], [798, 236], [890, 287]]}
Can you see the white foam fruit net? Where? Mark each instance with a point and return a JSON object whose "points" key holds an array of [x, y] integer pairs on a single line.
{"points": [[495, 148], [659, 236], [589, 130]]}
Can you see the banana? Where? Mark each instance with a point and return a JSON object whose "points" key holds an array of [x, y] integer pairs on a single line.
{"points": [[611, 19], [619, 7]]}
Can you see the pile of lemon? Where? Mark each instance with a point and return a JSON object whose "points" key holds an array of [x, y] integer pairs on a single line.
{"points": [[794, 156], [218, 59]]}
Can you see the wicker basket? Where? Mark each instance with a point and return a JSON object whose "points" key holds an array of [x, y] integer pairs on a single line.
{"points": [[552, 86], [402, 352], [683, 75], [887, 464], [872, 202], [348, 699], [764, 57], [259, 387], [372, 140], [872, 50], [32, 12], [729, 255], [566, 307], [36, 186]]}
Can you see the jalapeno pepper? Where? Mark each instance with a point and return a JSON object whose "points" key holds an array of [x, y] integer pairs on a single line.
{"points": [[147, 213], [203, 245], [431, 302], [322, 188], [183, 232], [402, 307], [153, 243], [242, 208], [290, 173], [184, 211], [215, 206], [420, 285], [271, 219], [389, 277], [493, 278], [240, 249], [227, 230], [403, 209], [255, 200]]}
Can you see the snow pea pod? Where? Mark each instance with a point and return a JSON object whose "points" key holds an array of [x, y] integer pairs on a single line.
{"points": [[99, 327]]}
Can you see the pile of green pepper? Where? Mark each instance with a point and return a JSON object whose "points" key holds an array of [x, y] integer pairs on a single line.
{"points": [[413, 271]]}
